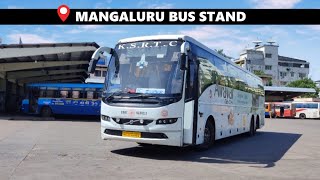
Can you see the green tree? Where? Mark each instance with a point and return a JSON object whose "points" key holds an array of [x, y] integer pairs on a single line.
{"points": [[305, 83], [220, 51]]}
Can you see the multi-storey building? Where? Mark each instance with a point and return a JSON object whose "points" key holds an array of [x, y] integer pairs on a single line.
{"points": [[275, 70], [99, 74]]}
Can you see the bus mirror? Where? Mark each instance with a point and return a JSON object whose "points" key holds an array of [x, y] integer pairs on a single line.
{"points": [[98, 54], [183, 61], [184, 49], [92, 65]]}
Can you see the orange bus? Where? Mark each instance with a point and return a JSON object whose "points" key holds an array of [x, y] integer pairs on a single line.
{"points": [[284, 109]]}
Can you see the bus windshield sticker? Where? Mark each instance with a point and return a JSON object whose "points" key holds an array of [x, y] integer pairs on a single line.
{"points": [[160, 56], [150, 91]]}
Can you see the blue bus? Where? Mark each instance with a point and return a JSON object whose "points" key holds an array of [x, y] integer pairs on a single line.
{"points": [[48, 99]]}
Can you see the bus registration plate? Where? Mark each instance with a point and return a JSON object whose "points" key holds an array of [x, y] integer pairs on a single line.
{"points": [[131, 134]]}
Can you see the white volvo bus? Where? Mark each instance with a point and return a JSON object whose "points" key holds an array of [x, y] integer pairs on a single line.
{"points": [[173, 90]]}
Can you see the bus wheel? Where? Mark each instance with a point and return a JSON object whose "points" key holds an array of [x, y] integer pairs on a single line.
{"points": [[302, 116], [252, 128], [46, 112], [208, 137]]}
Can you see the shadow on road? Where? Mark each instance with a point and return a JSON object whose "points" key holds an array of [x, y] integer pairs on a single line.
{"points": [[265, 148]]}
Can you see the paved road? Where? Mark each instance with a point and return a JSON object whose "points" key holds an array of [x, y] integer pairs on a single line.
{"points": [[56, 149]]}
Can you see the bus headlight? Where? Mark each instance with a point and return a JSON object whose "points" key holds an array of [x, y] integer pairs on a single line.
{"points": [[166, 121], [105, 118]]}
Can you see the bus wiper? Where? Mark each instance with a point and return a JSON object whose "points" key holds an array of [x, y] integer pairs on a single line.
{"points": [[145, 96], [112, 95]]}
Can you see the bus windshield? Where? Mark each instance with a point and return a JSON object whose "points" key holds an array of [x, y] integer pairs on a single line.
{"points": [[145, 67]]}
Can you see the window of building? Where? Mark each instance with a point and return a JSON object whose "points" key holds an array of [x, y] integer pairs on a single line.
{"points": [[268, 55], [104, 73], [302, 75], [97, 73], [283, 74], [268, 67], [292, 74], [283, 64]]}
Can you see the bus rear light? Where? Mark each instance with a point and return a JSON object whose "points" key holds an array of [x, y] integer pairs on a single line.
{"points": [[166, 121]]}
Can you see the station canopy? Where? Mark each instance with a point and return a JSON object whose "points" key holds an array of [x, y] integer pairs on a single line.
{"points": [[52, 62], [273, 93]]}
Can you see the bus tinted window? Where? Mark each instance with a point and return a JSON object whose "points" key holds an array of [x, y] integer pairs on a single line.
{"points": [[207, 76], [307, 105]]}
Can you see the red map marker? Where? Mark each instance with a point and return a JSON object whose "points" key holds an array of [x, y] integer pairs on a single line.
{"points": [[63, 12]]}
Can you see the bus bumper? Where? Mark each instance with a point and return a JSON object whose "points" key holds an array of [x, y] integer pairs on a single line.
{"points": [[159, 136], [173, 138]]}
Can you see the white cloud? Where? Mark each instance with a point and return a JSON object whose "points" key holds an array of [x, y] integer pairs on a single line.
{"points": [[102, 4], [28, 38], [90, 27], [15, 7], [230, 40], [274, 4], [314, 27], [271, 32], [154, 5], [160, 6], [93, 29]]}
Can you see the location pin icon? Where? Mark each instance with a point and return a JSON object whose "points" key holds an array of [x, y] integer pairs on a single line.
{"points": [[63, 12]]}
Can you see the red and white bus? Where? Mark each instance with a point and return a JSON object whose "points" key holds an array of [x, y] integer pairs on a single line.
{"points": [[307, 110]]}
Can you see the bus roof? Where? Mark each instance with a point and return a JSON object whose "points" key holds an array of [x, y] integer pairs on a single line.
{"points": [[65, 85], [185, 38]]}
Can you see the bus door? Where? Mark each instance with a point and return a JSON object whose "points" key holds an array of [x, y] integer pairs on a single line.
{"points": [[191, 105], [33, 99], [293, 110], [282, 110]]}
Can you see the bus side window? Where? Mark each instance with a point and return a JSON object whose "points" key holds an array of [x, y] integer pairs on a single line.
{"points": [[75, 94], [89, 94], [64, 94]]}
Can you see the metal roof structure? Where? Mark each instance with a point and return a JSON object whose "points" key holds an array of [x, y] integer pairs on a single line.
{"points": [[273, 93], [50, 62]]}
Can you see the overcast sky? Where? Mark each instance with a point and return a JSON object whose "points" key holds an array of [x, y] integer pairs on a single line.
{"points": [[299, 41]]}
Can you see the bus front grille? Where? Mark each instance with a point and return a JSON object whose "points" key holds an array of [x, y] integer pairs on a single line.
{"points": [[139, 122], [143, 134]]}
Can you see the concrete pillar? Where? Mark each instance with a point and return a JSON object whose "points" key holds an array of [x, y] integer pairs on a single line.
{"points": [[3, 94]]}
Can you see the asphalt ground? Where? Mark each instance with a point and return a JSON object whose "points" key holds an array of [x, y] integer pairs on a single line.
{"points": [[35, 148]]}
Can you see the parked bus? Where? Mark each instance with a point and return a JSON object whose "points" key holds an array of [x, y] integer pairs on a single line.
{"points": [[284, 109], [173, 90], [307, 110], [48, 99]]}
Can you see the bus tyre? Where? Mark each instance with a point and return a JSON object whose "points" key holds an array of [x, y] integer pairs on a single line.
{"points": [[208, 137], [302, 116], [253, 129], [46, 112]]}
